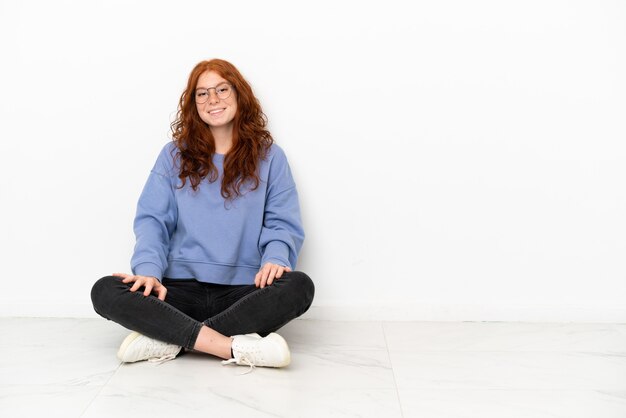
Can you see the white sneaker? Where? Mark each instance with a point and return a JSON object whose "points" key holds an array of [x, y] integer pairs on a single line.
{"points": [[252, 350], [137, 347]]}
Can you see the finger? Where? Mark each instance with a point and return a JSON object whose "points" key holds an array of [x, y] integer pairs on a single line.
{"points": [[265, 274], [272, 275], [280, 271], [260, 276], [288, 269], [137, 285], [162, 292], [265, 271], [257, 279], [148, 289], [126, 278]]}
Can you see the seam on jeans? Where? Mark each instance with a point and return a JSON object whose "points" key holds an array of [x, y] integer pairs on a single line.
{"points": [[191, 341]]}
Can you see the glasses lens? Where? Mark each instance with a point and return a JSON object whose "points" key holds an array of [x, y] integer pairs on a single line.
{"points": [[223, 91], [201, 96]]}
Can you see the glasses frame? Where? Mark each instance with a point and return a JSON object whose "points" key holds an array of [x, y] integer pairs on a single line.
{"points": [[208, 95]]}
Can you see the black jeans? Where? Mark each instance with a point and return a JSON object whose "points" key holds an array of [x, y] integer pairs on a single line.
{"points": [[189, 304]]}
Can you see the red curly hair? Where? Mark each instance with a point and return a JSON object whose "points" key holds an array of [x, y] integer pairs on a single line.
{"points": [[195, 144]]}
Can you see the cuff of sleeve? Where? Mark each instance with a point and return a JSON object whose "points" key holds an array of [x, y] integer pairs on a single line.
{"points": [[276, 252], [148, 269]]}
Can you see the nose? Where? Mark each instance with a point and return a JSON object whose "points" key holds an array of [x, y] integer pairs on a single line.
{"points": [[213, 96]]}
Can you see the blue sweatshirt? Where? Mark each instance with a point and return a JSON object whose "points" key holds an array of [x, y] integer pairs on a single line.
{"points": [[182, 233]]}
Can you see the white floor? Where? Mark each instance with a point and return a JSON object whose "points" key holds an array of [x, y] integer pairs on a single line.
{"points": [[68, 368]]}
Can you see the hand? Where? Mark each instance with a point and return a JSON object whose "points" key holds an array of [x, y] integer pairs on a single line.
{"points": [[268, 273], [151, 284]]}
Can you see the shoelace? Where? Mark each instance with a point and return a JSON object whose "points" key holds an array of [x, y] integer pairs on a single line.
{"points": [[162, 359], [244, 360], [153, 348]]}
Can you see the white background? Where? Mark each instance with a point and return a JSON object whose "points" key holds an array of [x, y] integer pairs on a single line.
{"points": [[456, 160]]}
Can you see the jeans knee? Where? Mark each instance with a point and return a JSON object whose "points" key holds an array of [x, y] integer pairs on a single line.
{"points": [[103, 292], [305, 287]]}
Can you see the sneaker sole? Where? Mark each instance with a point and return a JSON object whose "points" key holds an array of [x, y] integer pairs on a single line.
{"points": [[127, 341], [277, 339]]}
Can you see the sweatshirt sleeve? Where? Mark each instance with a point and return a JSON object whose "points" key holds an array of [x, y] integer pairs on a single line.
{"points": [[155, 220], [282, 234]]}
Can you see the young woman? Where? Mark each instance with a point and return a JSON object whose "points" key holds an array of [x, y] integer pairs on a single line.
{"points": [[218, 233]]}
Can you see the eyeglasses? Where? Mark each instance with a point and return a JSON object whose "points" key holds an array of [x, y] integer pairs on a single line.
{"points": [[222, 91]]}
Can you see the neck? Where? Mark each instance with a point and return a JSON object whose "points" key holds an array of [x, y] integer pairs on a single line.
{"points": [[223, 137]]}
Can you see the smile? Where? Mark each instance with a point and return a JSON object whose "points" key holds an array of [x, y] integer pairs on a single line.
{"points": [[216, 112]]}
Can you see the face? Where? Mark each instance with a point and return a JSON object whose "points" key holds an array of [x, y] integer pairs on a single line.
{"points": [[215, 112]]}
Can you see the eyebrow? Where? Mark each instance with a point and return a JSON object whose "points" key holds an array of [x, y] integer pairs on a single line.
{"points": [[206, 88]]}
